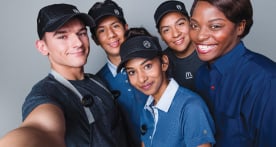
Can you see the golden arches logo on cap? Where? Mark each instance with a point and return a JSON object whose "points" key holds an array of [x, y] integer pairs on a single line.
{"points": [[146, 44]]}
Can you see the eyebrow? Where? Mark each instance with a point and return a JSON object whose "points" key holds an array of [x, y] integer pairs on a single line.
{"points": [[146, 60], [64, 31], [117, 21], [182, 18], [216, 19]]}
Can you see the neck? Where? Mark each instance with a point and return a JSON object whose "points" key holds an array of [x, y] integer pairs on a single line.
{"points": [[187, 52], [70, 73], [115, 60], [161, 90]]}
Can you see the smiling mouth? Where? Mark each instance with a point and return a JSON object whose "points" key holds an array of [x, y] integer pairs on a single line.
{"points": [[146, 86], [178, 42], [114, 44], [205, 48]]}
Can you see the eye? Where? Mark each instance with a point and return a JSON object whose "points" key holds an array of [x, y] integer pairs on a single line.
{"points": [[181, 23], [165, 30], [99, 31], [148, 66], [130, 72], [194, 26], [82, 33], [116, 25], [216, 26], [62, 37]]}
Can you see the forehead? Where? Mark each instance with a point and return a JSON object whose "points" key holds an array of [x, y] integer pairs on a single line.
{"points": [[74, 22], [107, 20], [172, 15], [138, 61], [73, 25], [205, 10]]}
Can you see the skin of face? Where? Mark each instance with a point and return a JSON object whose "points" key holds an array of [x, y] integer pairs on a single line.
{"points": [[148, 76], [174, 30], [212, 33], [68, 47], [110, 34]]}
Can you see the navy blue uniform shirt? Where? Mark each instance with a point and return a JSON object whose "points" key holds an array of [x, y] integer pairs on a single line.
{"points": [[240, 90]]}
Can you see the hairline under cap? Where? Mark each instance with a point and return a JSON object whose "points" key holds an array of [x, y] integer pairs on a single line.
{"points": [[166, 11], [139, 54], [135, 47]]}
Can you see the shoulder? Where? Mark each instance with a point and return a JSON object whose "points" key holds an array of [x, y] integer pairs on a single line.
{"points": [[45, 91], [103, 71], [97, 78]]}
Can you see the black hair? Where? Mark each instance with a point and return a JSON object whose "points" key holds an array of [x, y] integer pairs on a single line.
{"points": [[141, 31], [234, 10], [100, 5]]}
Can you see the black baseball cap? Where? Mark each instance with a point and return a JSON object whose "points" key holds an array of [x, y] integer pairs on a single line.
{"points": [[139, 47], [54, 16], [169, 6], [110, 9]]}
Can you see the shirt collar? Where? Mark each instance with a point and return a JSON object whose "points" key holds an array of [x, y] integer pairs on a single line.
{"points": [[224, 63], [112, 68], [167, 97]]}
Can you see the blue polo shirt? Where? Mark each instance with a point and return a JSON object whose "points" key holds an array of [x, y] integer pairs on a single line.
{"points": [[240, 90], [131, 100], [179, 119]]}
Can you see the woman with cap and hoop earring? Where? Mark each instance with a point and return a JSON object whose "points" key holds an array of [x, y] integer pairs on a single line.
{"points": [[109, 34], [173, 115]]}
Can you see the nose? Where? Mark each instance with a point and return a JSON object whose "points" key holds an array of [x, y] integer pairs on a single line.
{"points": [[142, 77], [175, 32], [203, 34], [77, 42], [111, 33]]}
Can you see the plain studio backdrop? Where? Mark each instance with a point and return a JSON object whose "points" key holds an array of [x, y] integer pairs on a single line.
{"points": [[22, 65]]}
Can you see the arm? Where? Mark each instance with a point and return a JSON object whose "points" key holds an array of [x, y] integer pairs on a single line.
{"points": [[45, 126], [267, 118]]}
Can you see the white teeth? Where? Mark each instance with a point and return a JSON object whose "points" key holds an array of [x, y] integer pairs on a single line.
{"points": [[205, 47], [179, 41], [114, 44]]}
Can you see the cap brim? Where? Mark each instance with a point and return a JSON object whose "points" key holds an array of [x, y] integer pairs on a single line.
{"points": [[60, 22], [147, 54], [103, 15]]}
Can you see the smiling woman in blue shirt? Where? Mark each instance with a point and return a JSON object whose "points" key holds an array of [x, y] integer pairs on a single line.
{"points": [[173, 116], [238, 85]]}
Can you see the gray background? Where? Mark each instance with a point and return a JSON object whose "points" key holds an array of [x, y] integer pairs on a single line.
{"points": [[22, 65]]}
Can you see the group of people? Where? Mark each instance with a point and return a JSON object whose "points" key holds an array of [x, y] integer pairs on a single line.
{"points": [[205, 89]]}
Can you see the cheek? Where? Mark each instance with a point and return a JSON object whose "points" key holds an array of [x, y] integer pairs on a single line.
{"points": [[193, 35], [166, 37], [222, 36], [101, 37], [132, 80], [185, 30]]}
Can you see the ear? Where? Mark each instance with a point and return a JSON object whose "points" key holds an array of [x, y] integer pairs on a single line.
{"points": [[126, 26], [165, 62], [95, 39], [42, 47], [241, 27]]}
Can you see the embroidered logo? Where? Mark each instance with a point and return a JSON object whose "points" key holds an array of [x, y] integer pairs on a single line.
{"points": [[76, 11], [146, 44], [179, 7], [116, 11], [189, 75]]}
